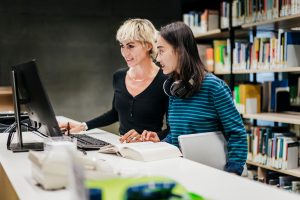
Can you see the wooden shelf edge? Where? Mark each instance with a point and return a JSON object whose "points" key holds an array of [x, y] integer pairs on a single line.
{"points": [[221, 73], [276, 117], [5, 90], [287, 69], [5, 93], [267, 22], [207, 34], [292, 172]]}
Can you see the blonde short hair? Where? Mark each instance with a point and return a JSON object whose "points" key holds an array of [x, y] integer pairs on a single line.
{"points": [[141, 30]]}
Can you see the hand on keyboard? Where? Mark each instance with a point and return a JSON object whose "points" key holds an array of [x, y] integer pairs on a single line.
{"points": [[72, 127], [88, 143]]}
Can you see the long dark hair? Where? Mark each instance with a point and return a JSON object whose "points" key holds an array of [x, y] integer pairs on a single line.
{"points": [[181, 38]]}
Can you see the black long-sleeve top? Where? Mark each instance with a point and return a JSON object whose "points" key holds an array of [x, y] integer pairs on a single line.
{"points": [[142, 112]]}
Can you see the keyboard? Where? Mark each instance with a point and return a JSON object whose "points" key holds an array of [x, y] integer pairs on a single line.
{"points": [[88, 143]]}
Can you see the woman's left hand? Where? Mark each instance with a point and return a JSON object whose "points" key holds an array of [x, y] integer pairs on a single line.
{"points": [[131, 136]]}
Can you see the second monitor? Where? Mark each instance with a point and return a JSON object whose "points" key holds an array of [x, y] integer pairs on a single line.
{"points": [[29, 92]]}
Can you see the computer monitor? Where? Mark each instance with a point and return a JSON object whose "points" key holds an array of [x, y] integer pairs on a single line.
{"points": [[29, 91]]}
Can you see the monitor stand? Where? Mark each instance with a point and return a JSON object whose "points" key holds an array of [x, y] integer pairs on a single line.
{"points": [[36, 146], [20, 146]]}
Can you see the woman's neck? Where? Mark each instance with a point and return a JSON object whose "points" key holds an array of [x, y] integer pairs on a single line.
{"points": [[142, 72]]}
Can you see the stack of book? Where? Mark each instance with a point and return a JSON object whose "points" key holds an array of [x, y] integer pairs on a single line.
{"points": [[274, 149], [249, 11], [202, 22], [268, 51]]}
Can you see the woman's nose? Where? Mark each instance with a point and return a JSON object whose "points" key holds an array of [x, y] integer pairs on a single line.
{"points": [[124, 52], [157, 58]]}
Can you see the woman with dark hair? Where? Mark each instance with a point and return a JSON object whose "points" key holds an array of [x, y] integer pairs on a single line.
{"points": [[198, 101]]}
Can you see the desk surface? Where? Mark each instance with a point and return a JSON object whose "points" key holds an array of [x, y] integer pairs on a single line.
{"points": [[206, 181]]}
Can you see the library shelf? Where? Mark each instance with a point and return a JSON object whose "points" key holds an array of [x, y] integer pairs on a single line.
{"points": [[288, 118], [209, 34], [292, 172], [5, 91], [220, 34], [222, 72], [6, 108], [6, 99], [285, 22], [252, 71]]}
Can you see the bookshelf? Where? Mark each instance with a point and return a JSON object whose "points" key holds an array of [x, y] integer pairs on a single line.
{"points": [[275, 117], [6, 100], [256, 71], [5, 91], [252, 71], [211, 34], [221, 73], [292, 172], [239, 30], [284, 22], [219, 34]]}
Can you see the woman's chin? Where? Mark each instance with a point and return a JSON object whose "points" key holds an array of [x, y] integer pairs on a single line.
{"points": [[131, 65], [165, 71]]}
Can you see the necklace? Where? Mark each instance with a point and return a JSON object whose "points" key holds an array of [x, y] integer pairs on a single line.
{"points": [[140, 80], [137, 80]]}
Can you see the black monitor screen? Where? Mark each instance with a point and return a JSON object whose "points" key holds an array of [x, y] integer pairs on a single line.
{"points": [[33, 96]]}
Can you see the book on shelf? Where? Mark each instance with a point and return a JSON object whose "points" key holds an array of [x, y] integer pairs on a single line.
{"points": [[290, 153], [267, 51], [143, 151], [282, 102], [221, 55], [266, 96], [193, 20], [274, 85], [250, 11], [292, 49], [206, 55], [224, 14], [202, 22], [240, 55], [286, 180], [248, 101], [268, 147], [238, 12], [210, 59], [276, 96], [209, 20]]}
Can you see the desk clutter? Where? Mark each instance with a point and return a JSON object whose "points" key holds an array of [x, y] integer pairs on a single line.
{"points": [[51, 169], [61, 166], [142, 188]]}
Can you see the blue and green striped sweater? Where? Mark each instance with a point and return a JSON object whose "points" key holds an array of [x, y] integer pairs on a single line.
{"points": [[210, 109]]}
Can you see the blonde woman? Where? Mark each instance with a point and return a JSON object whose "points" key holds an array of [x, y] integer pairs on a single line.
{"points": [[139, 102]]}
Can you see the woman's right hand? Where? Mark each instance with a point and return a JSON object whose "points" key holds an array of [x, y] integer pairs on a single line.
{"points": [[74, 127], [150, 136]]}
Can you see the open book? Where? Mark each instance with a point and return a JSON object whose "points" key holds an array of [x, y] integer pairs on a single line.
{"points": [[143, 151]]}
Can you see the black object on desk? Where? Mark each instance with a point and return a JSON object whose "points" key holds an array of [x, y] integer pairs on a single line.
{"points": [[29, 91], [87, 142]]}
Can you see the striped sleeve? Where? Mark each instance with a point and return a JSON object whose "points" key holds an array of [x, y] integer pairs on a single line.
{"points": [[233, 128]]}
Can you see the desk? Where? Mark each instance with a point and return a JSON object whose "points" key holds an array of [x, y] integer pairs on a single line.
{"points": [[206, 181]]}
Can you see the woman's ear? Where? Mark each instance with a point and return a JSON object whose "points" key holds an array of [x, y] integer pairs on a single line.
{"points": [[149, 46]]}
